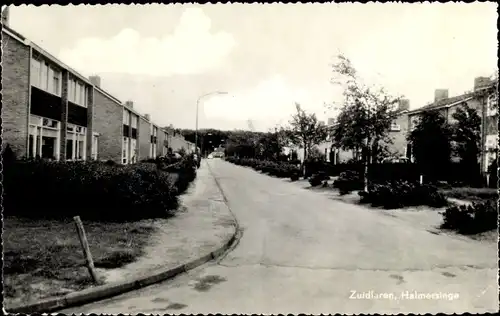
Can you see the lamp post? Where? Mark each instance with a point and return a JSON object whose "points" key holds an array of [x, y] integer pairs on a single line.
{"points": [[197, 112]]}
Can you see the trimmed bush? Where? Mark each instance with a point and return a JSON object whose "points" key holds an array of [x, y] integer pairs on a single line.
{"points": [[471, 219], [348, 181], [273, 168], [318, 178], [402, 193], [185, 171], [94, 190]]}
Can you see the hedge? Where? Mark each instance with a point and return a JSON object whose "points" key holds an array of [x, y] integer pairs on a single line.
{"points": [[471, 219], [94, 190], [278, 169], [402, 193], [380, 172], [349, 181]]}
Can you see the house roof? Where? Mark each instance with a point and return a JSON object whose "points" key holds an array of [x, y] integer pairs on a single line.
{"points": [[449, 102], [445, 103]]}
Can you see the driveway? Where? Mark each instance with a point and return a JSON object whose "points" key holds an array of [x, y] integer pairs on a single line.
{"points": [[301, 252]]}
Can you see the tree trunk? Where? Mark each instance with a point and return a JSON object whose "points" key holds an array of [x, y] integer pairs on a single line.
{"points": [[365, 171], [304, 161]]}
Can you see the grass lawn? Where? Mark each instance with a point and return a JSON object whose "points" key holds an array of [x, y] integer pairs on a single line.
{"points": [[43, 258], [471, 194]]}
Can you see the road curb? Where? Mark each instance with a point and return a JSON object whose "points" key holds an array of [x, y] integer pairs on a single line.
{"points": [[112, 289]]}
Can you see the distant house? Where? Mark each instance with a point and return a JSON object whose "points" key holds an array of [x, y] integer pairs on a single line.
{"points": [[483, 98], [397, 133]]}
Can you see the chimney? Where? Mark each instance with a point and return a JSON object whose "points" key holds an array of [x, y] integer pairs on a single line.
{"points": [[481, 82], [440, 94], [95, 80], [147, 117], [129, 104], [404, 105], [5, 16]]}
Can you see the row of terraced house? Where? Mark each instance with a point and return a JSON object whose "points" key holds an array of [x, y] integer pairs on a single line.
{"points": [[51, 111], [483, 97]]}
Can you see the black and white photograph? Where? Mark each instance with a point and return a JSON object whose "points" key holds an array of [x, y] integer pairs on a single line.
{"points": [[250, 158]]}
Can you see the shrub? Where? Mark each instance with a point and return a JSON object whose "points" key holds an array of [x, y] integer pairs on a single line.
{"points": [[402, 193], [8, 156], [94, 190], [295, 176], [185, 171], [318, 178], [471, 219], [348, 181], [279, 169]]}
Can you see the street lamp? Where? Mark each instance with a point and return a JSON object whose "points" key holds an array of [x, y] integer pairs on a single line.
{"points": [[197, 111]]}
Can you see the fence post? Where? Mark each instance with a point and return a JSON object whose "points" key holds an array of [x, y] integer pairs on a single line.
{"points": [[85, 248]]}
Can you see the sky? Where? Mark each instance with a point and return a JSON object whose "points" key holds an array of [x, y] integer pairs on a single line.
{"points": [[264, 58]]}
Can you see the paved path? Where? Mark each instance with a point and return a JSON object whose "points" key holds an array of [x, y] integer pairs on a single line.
{"points": [[302, 252], [203, 224]]}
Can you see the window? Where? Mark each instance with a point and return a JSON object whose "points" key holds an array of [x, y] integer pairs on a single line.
{"points": [[49, 123], [126, 117], [81, 150], [134, 120], [94, 147], [133, 150], [44, 137], [71, 90], [44, 76], [77, 94], [491, 142], [125, 150], [76, 142], [35, 73], [414, 123], [83, 95], [55, 82], [395, 127], [492, 105], [50, 79]]}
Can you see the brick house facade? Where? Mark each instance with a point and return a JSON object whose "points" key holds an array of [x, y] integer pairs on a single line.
{"points": [[484, 100], [16, 55], [51, 111]]}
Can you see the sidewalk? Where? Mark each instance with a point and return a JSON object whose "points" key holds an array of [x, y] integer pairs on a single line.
{"points": [[202, 225]]}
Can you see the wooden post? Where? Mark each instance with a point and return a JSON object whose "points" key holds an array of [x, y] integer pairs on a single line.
{"points": [[85, 248]]}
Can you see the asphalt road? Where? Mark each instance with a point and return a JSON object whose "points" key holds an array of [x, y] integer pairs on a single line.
{"points": [[301, 252]]}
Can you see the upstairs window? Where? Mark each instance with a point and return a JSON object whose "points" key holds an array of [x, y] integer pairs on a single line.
{"points": [[126, 117], [77, 92], [134, 120], [492, 105], [35, 73], [395, 127], [44, 73]]}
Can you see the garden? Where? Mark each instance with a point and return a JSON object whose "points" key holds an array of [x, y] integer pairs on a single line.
{"points": [[120, 206]]}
